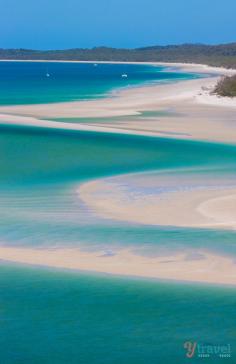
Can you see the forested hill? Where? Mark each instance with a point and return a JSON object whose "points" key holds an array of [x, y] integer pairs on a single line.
{"points": [[215, 55]]}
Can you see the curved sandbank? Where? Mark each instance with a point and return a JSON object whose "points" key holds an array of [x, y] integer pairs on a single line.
{"points": [[128, 101], [163, 199], [193, 267], [196, 119], [196, 115]]}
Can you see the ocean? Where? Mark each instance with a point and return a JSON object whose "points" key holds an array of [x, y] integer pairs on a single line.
{"points": [[61, 316], [47, 82], [49, 316]]}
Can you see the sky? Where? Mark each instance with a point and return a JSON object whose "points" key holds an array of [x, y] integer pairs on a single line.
{"points": [[61, 24]]}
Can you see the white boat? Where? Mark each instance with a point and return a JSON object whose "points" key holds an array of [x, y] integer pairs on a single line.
{"points": [[47, 74], [124, 75]]}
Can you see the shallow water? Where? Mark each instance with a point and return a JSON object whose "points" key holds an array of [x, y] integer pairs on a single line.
{"points": [[50, 316], [142, 116], [41, 170]]}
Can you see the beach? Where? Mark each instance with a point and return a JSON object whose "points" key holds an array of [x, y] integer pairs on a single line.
{"points": [[183, 111], [196, 113]]}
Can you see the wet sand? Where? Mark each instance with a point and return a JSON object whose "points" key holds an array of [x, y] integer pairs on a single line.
{"points": [[165, 200], [199, 116], [199, 267]]}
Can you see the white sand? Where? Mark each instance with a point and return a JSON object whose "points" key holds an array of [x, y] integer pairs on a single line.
{"points": [[199, 68], [221, 208], [198, 267], [183, 201], [197, 116], [198, 119], [125, 102]]}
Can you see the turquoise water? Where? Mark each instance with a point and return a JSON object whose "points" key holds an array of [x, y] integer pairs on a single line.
{"points": [[64, 317], [35, 155], [50, 316], [27, 82], [142, 116], [40, 169]]}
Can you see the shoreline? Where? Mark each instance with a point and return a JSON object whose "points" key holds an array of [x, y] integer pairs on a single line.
{"points": [[198, 115], [198, 267], [195, 118], [193, 66], [136, 198]]}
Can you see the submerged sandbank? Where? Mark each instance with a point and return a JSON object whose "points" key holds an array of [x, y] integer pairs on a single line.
{"points": [[194, 267], [187, 200], [195, 118]]}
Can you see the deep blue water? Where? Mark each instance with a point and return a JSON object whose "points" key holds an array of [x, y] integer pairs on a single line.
{"points": [[27, 82]]}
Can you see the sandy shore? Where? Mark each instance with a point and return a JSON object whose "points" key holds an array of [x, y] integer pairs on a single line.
{"points": [[128, 101], [166, 200], [198, 68], [193, 267], [195, 115]]}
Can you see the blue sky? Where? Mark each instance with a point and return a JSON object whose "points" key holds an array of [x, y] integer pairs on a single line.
{"points": [[46, 24]]}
